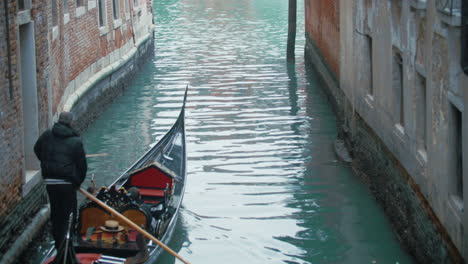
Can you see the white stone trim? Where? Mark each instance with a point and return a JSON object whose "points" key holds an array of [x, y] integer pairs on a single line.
{"points": [[103, 30], [66, 18], [55, 31], [81, 10], [23, 17], [91, 4], [117, 23], [31, 178]]}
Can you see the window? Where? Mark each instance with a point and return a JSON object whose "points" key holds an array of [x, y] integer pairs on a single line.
{"points": [[126, 6], [65, 6], [54, 13], [21, 5], [101, 12], [80, 3], [421, 115], [115, 8], [24, 4], [457, 152], [397, 82], [464, 37], [29, 89], [369, 71]]}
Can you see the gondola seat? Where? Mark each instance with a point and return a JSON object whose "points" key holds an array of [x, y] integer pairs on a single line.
{"points": [[94, 217], [153, 183]]}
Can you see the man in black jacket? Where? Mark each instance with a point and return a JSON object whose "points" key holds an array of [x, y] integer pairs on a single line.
{"points": [[63, 167]]}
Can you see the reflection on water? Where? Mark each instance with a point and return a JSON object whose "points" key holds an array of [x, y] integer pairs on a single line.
{"points": [[264, 185]]}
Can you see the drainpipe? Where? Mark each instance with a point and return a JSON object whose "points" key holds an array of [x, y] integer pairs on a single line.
{"points": [[7, 24]]}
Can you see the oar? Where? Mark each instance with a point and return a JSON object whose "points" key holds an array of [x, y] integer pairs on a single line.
{"points": [[96, 155], [130, 223]]}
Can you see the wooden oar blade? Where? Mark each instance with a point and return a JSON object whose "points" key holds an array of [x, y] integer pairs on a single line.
{"points": [[96, 155]]}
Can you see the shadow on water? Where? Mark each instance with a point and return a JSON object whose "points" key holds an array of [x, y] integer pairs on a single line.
{"points": [[292, 87]]}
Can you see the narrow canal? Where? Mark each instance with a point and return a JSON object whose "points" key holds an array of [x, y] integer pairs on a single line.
{"points": [[264, 185]]}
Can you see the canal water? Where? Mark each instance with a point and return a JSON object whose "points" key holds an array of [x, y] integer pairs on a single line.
{"points": [[264, 185]]}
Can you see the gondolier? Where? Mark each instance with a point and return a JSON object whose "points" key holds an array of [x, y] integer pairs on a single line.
{"points": [[63, 167]]}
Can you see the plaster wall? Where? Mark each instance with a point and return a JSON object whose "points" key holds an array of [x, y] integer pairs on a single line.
{"points": [[402, 127], [428, 42]]}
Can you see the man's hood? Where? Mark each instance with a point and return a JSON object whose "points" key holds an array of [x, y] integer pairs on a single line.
{"points": [[63, 130]]}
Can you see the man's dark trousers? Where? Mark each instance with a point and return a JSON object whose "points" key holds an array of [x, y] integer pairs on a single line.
{"points": [[62, 199]]}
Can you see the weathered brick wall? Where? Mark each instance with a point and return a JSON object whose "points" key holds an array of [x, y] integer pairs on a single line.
{"points": [[19, 217], [41, 27], [61, 56], [323, 26], [15, 210], [11, 160], [11, 144], [80, 43]]}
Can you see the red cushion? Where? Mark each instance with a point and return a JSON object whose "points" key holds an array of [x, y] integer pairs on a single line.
{"points": [[151, 192], [151, 177], [151, 202]]}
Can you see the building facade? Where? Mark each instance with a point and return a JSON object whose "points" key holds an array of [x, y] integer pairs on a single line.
{"points": [[57, 55], [397, 75]]}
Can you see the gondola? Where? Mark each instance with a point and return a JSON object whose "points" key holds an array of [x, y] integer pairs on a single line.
{"points": [[149, 193]]}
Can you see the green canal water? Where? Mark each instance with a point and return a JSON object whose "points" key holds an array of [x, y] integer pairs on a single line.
{"points": [[264, 185]]}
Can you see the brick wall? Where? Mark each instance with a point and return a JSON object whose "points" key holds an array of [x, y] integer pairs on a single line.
{"points": [[63, 53], [11, 142], [10, 106], [80, 42], [15, 210], [322, 25]]}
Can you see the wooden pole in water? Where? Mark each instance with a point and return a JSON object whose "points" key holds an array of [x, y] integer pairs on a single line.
{"points": [[292, 10], [130, 223]]}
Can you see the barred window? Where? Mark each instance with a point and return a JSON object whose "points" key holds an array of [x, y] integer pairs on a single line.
{"points": [[54, 13], [115, 8], [101, 12]]}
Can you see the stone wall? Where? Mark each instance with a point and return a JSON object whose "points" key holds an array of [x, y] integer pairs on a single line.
{"points": [[411, 216], [400, 104]]}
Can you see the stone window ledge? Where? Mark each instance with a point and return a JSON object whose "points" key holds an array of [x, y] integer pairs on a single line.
{"points": [[418, 4], [81, 10], [103, 30], [23, 17], [117, 23], [55, 31], [31, 178], [91, 4], [66, 18]]}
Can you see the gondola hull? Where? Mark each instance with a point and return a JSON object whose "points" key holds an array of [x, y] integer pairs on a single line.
{"points": [[149, 193]]}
